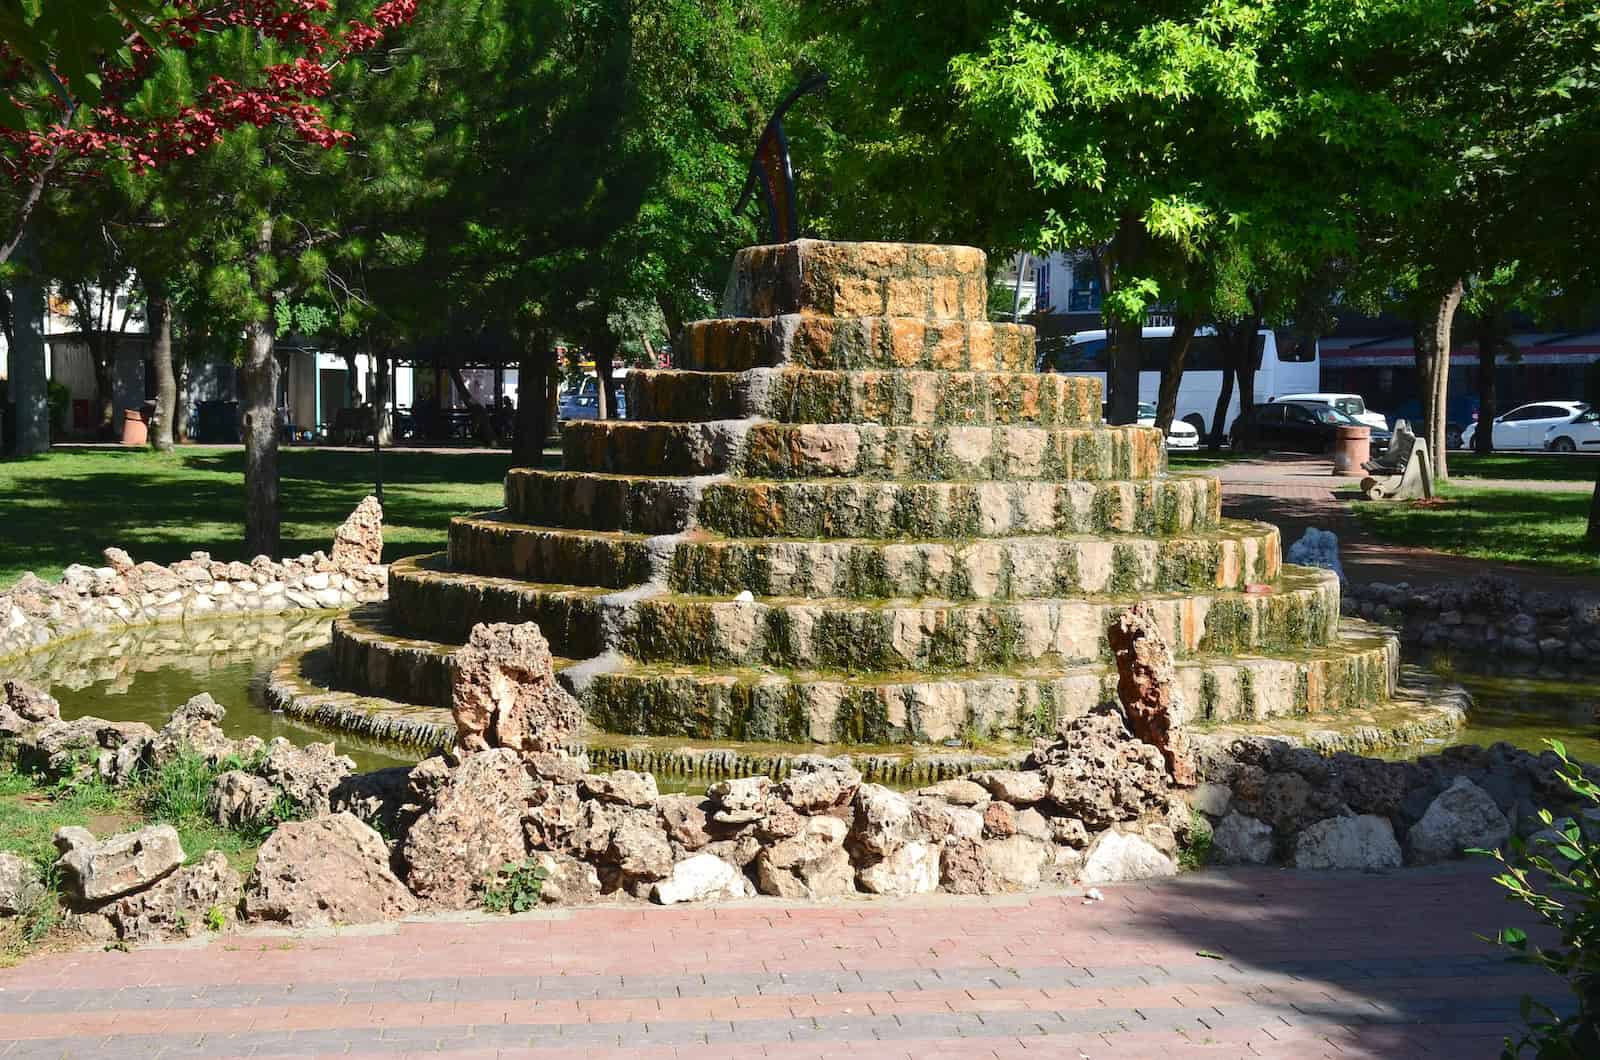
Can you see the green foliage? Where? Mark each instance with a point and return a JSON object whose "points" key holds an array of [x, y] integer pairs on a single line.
{"points": [[1559, 882], [60, 400], [1195, 853], [216, 919], [512, 888]]}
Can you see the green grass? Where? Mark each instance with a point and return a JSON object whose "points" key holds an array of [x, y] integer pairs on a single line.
{"points": [[1524, 467], [1204, 458], [1543, 528], [67, 505]]}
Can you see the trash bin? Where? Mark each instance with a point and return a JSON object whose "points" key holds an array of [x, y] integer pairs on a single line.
{"points": [[1352, 447], [135, 431]]}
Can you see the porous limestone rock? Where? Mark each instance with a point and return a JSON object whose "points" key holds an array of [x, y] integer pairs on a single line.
{"points": [[472, 828], [194, 727], [1463, 817], [740, 800], [1118, 856], [503, 691], [813, 864], [1101, 774], [96, 870], [1239, 839], [624, 787], [884, 821], [238, 798], [992, 866], [1364, 842], [1147, 685], [20, 885], [180, 904], [325, 871], [307, 775], [1020, 787], [816, 784], [567, 881], [359, 540], [687, 819], [639, 852], [1210, 799], [962, 792], [23, 705], [701, 878]]}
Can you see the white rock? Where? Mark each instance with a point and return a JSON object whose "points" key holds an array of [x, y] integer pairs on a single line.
{"points": [[20, 886], [745, 597], [99, 869], [1211, 799], [1241, 840], [1462, 817], [1366, 842], [701, 878], [1117, 856], [911, 869]]}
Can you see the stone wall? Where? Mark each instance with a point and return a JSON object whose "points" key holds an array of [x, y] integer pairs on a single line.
{"points": [[1488, 614], [34, 612]]}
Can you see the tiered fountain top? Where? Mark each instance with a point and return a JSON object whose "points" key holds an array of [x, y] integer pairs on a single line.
{"points": [[856, 513]]}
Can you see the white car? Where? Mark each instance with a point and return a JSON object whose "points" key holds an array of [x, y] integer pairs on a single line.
{"points": [[1182, 436], [1581, 434], [1525, 426], [1351, 405]]}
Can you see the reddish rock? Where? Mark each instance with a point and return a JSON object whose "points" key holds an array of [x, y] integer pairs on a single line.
{"points": [[1147, 684], [473, 828], [322, 872], [504, 691], [359, 540]]}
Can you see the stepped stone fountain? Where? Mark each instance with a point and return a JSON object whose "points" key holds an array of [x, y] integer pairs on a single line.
{"points": [[857, 514]]}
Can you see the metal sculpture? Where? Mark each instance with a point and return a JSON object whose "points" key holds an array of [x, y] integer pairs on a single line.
{"points": [[770, 165]]}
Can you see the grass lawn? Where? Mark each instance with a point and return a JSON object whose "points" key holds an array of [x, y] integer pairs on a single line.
{"points": [[67, 505], [1200, 459], [1542, 528], [1525, 467]]}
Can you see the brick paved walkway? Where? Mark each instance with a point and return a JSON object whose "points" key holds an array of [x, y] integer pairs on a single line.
{"points": [[1295, 492], [1224, 964]]}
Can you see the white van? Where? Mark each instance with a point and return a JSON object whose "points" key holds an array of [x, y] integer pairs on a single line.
{"points": [[1277, 372]]}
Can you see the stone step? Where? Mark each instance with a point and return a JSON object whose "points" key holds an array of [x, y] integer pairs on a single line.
{"points": [[491, 543], [735, 344], [886, 708], [946, 636], [858, 279], [941, 454], [878, 509], [891, 398], [901, 510], [1238, 555], [428, 599]]}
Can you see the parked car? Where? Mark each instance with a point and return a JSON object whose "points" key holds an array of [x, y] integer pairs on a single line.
{"points": [[1301, 428], [1350, 404], [1525, 426], [583, 402], [1182, 436], [1581, 434]]}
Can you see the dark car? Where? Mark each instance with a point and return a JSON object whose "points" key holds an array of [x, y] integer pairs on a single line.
{"points": [[1301, 428]]}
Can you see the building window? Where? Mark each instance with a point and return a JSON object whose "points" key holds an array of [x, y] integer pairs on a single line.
{"points": [[1084, 294]]}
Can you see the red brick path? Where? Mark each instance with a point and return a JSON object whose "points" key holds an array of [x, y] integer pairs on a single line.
{"points": [[1217, 964]]}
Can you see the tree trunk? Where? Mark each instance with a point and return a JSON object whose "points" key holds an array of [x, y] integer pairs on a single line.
{"points": [[1491, 335], [1123, 354], [258, 379], [104, 388], [1219, 418], [30, 385], [1432, 343], [1238, 339], [533, 417], [180, 408], [604, 351], [482, 422], [1594, 513], [159, 320], [1183, 326], [382, 426]]}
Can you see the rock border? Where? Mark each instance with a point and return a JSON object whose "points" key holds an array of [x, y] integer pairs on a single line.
{"points": [[1490, 614]]}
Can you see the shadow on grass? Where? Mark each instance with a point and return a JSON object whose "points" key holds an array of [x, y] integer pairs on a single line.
{"points": [[1543, 528]]}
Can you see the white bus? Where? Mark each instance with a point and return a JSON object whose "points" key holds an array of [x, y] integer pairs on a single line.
{"points": [[1277, 371]]}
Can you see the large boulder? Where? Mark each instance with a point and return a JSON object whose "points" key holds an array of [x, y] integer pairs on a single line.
{"points": [[472, 829], [623, 787], [1147, 685], [1020, 787], [22, 706], [885, 820], [1463, 817], [381, 798], [639, 853], [687, 819], [702, 878], [94, 870], [358, 542], [813, 864], [993, 866], [1365, 842], [1240, 839], [1099, 773], [1118, 856], [198, 896], [307, 775], [503, 691], [325, 871], [20, 886], [194, 727]]}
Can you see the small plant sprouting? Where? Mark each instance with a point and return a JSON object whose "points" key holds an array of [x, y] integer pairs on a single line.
{"points": [[513, 888], [216, 919]]}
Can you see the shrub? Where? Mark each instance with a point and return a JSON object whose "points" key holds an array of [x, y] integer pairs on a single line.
{"points": [[513, 889], [1567, 865]]}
